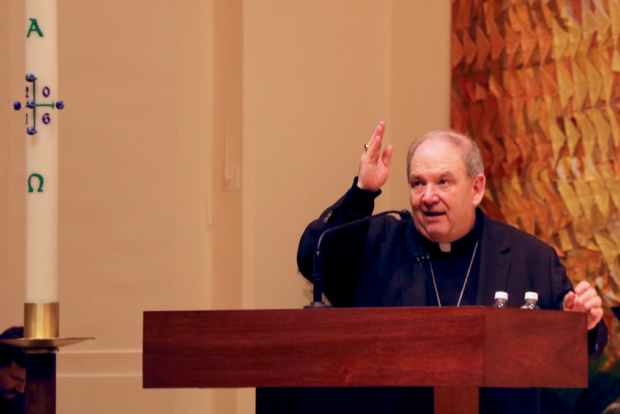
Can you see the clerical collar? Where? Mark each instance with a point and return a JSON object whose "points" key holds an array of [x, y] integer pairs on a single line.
{"points": [[465, 243]]}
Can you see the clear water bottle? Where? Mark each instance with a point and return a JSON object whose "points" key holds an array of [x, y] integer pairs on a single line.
{"points": [[531, 301], [501, 300]]}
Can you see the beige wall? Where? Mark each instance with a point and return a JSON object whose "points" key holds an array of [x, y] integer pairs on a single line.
{"points": [[12, 164], [198, 141], [420, 80], [4, 152], [317, 80]]}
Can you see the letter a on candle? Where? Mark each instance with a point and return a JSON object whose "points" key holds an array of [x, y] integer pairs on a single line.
{"points": [[34, 27]]}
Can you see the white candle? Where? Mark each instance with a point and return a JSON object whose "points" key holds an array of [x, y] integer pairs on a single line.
{"points": [[42, 153]]}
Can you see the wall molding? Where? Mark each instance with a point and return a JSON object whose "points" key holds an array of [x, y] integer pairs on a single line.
{"points": [[99, 363]]}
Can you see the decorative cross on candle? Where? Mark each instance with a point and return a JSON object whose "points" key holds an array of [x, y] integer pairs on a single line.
{"points": [[32, 104]]}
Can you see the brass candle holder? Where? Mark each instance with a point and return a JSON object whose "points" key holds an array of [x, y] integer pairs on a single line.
{"points": [[42, 330]]}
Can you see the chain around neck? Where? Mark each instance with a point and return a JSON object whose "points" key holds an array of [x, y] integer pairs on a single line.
{"points": [[466, 277]]}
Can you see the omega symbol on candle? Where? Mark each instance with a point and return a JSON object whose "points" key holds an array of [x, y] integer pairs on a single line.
{"points": [[40, 177], [32, 103]]}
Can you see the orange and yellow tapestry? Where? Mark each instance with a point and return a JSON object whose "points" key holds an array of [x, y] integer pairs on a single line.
{"points": [[537, 84]]}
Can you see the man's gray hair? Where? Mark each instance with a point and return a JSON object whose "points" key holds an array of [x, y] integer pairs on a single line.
{"points": [[468, 147]]}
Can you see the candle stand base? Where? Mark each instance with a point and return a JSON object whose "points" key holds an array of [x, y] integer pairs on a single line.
{"points": [[40, 393], [41, 343]]}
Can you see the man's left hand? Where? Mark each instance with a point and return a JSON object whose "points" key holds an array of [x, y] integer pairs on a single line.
{"points": [[585, 299]]}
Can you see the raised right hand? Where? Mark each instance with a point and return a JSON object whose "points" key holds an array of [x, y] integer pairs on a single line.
{"points": [[375, 168]]}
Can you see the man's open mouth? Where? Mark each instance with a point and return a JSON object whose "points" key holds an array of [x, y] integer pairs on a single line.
{"points": [[432, 214]]}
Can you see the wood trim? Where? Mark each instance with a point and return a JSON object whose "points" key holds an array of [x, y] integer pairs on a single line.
{"points": [[457, 400], [535, 349]]}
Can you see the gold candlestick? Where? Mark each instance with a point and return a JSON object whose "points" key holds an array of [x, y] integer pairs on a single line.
{"points": [[41, 320], [42, 329]]}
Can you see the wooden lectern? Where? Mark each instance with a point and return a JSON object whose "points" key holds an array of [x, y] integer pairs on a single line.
{"points": [[455, 350]]}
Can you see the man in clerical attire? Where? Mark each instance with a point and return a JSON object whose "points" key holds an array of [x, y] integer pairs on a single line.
{"points": [[448, 254], [12, 374]]}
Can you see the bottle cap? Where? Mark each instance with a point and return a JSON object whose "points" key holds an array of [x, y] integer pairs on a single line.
{"points": [[501, 295], [531, 295]]}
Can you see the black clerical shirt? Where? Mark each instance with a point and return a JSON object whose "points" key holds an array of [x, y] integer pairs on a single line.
{"points": [[450, 269]]}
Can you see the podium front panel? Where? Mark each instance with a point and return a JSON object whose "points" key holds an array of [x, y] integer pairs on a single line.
{"points": [[314, 348], [365, 347]]}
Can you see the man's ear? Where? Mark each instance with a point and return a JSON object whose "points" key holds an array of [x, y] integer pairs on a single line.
{"points": [[478, 185]]}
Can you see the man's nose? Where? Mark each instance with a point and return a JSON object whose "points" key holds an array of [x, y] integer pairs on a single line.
{"points": [[430, 194], [21, 386]]}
